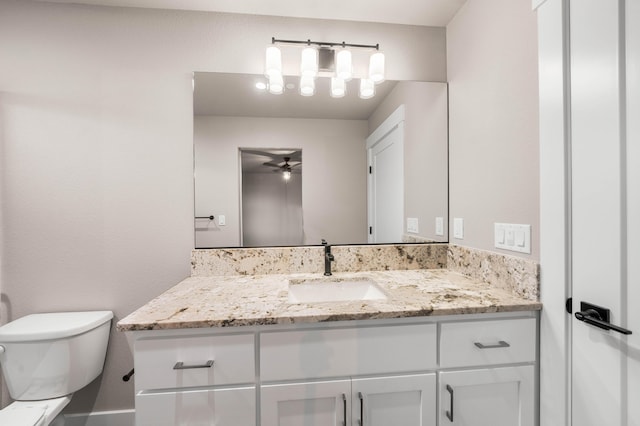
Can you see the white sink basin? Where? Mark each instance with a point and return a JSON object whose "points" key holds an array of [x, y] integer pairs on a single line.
{"points": [[331, 289]]}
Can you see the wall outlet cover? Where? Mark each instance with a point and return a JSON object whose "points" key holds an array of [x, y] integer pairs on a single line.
{"points": [[512, 237], [458, 228], [412, 225], [439, 225]]}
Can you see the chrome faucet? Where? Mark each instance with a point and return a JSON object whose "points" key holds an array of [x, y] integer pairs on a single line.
{"points": [[328, 257]]}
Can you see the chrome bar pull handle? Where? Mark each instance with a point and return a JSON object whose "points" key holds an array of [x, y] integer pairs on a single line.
{"points": [[361, 397], [500, 344], [449, 414], [180, 365], [598, 317]]}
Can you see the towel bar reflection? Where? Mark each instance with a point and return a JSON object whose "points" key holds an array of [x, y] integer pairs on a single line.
{"points": [[205, 217]]}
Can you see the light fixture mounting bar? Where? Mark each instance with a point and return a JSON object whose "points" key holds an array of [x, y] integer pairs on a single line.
{"points": [[325, 43]]}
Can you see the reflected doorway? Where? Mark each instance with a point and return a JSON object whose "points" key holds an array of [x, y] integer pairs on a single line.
{"points": [[385, 154], [271, 200]]}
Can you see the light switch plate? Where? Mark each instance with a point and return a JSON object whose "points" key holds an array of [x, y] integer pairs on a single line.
{"points": [[513, 237], [222, 221], [439, 225], [412, 225], [458, 228]]}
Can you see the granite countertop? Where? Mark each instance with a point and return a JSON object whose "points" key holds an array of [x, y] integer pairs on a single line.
{"points": [[232, 301]]}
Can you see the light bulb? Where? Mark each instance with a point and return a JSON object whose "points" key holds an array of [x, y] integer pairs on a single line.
{"points": [[343, 65], [276, 84], [376, 67], [286, 175], [338, 87], [367, 88], [273, 61], [309, 62], [307, 86]]}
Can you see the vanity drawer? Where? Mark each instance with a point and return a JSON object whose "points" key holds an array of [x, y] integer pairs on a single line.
{"points": [[222, 407], [487, 342], [293, 355], [157, 361]]}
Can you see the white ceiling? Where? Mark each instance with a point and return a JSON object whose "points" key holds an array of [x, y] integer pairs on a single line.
{"points": [[235, 95], [409, 12]]}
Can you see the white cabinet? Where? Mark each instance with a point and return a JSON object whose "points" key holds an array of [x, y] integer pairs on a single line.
{"points": [[488, 397], [200, 407], [320, 353], [472, 343], [195, 380], [378, 401], [398, 401], [491, 396], [295, 404], [452, 370]]}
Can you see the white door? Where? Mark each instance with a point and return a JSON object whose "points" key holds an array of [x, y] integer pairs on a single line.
{"points": [[605, 163], [306, 404], [397, 401], [385, 153], [487, 397]]}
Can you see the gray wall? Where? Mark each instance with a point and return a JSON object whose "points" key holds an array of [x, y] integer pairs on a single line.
{"points": [[425, 150], [96, 144], [271, 209], [334, 179], [493, 114]]}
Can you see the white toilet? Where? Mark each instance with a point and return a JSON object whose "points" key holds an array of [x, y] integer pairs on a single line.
{"points": [[45, 358]]}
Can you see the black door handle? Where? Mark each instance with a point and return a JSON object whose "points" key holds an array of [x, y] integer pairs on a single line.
{"points": [[598, 317]]}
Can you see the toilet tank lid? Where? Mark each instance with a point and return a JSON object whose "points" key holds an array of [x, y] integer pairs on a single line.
{"points": [[51, 326]]}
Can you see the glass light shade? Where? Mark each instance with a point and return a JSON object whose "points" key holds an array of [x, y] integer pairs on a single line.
{"points": [[276, 84], [273, 61], [286, 174], [307, 86], [376, 67], [309, 62], [367, 88], [338, 87], [344, 69]]}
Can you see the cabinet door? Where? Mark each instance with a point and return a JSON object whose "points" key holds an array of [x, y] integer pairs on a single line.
{"points": [[397, 401], [309, 404], [212, 407], [488, 397]]}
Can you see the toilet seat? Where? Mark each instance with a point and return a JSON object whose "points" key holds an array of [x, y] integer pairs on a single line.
{"points": [[22, 416]]}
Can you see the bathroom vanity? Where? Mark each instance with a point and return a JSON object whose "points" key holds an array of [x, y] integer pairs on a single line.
{"points": [[436, 348]]}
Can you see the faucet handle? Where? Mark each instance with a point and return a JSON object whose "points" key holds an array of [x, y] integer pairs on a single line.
{"points": [[324, 242]]}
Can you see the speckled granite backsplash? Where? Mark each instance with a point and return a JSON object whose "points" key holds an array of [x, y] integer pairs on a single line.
{"points": [[518, 275], [310, 259], [515, 274]]}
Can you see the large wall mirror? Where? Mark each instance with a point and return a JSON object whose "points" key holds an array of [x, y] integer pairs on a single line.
{"points": [[357, 165]]}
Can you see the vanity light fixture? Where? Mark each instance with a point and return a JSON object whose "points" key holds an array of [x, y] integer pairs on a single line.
{"points": [[367, 88], [276, 84], [307, 85], [338, 87], [273, 61], [309, 62], [344, 68], [325, 59]]}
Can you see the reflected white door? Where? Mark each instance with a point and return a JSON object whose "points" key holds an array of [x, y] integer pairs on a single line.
{"points": [[386, 181], [605, 126]]}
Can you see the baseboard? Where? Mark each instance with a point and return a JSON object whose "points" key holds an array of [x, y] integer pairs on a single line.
{"points": [[101, 418]]}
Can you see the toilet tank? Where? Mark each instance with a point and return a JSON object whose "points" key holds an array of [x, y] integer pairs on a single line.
{"points": [[51, 355]]}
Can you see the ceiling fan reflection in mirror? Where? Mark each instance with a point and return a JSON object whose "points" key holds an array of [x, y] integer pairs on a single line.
{"points": [[285, 161], [285, 167]]}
